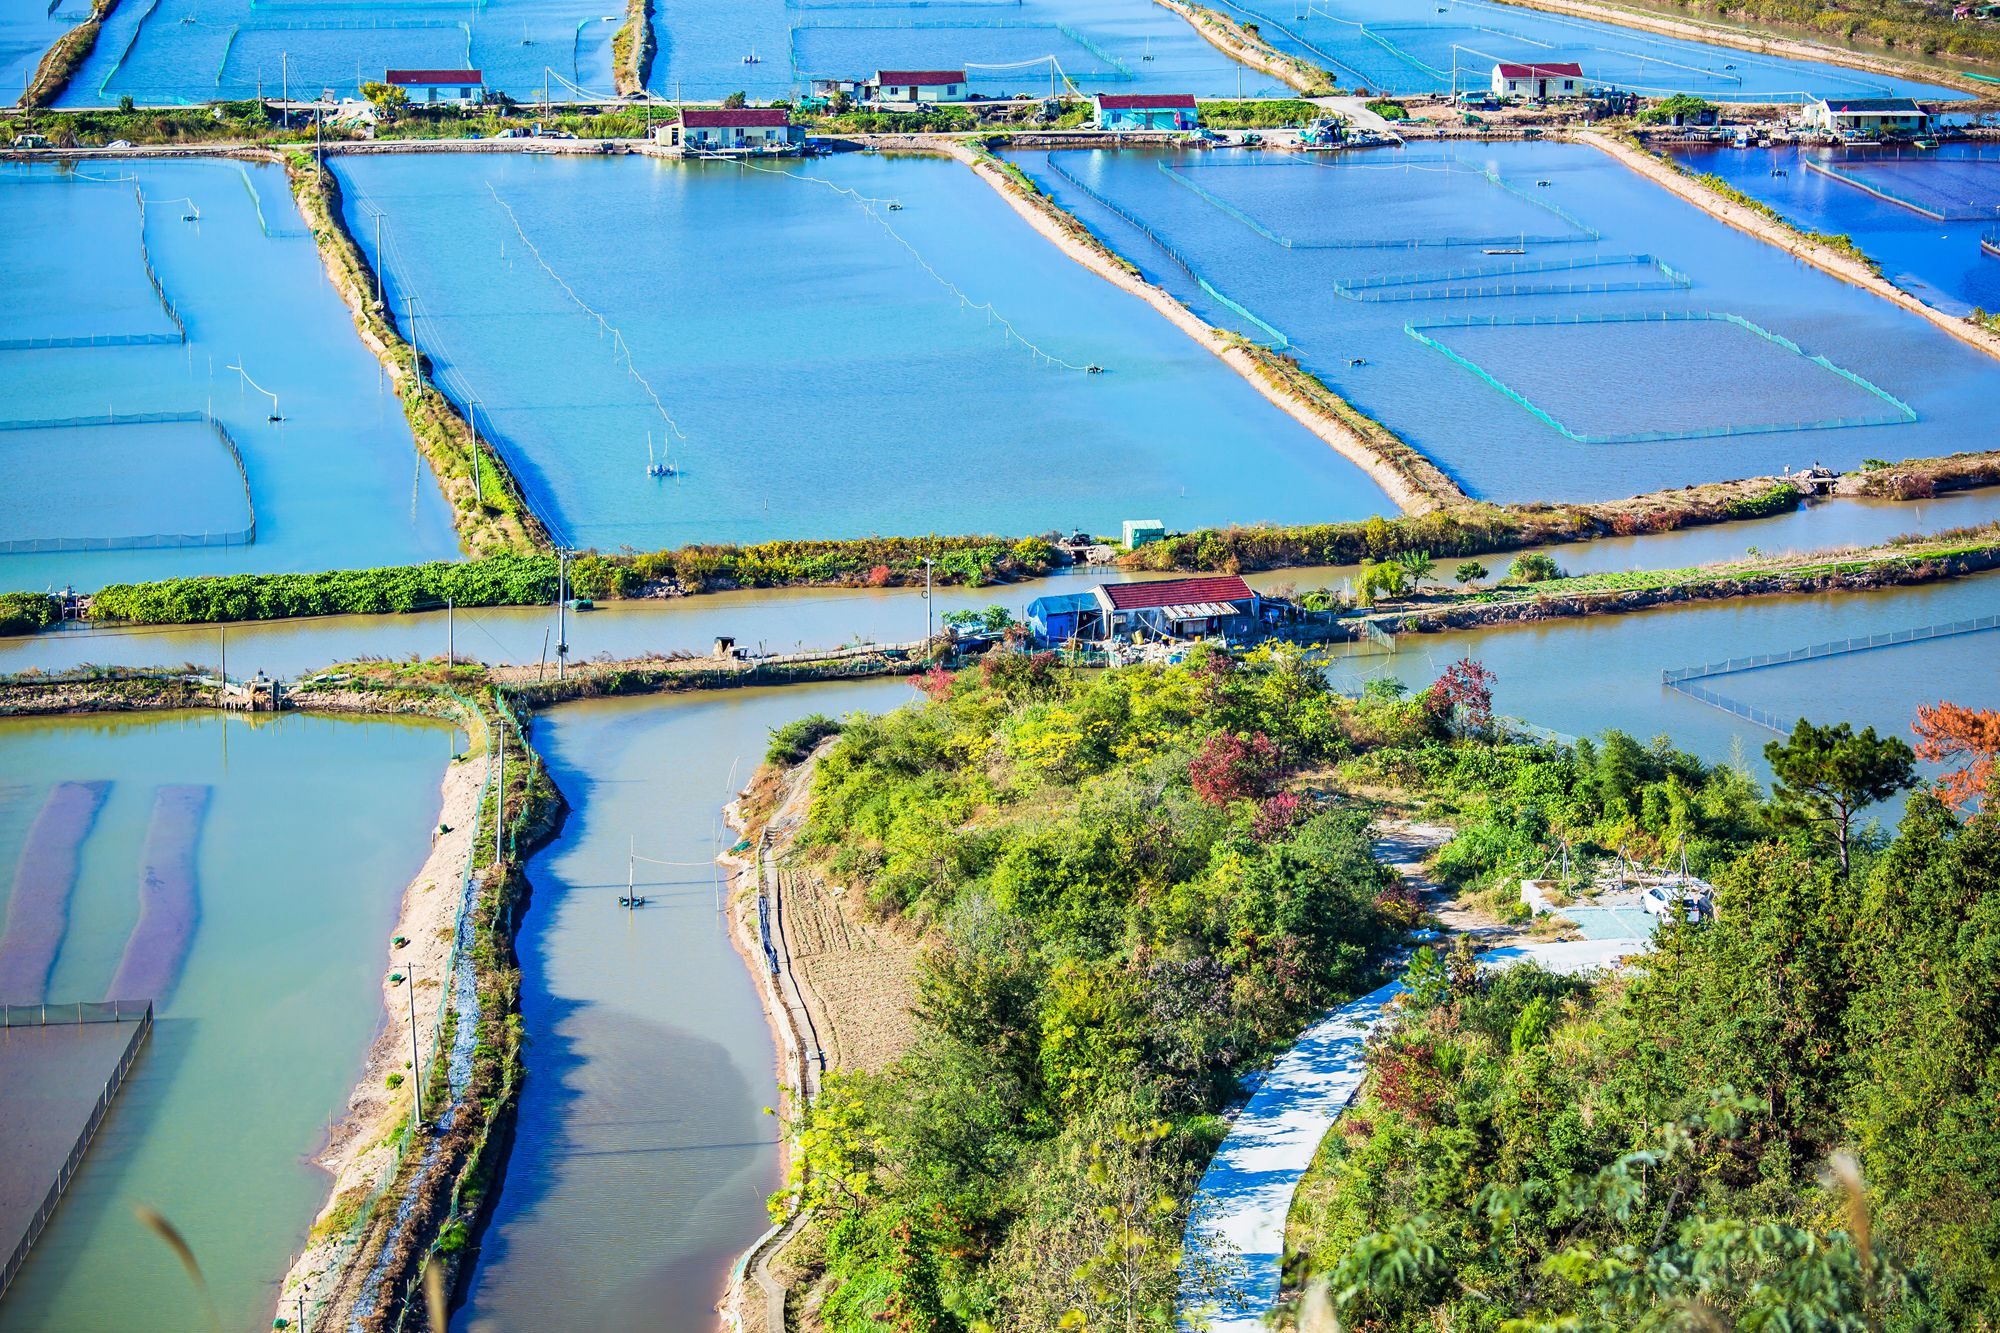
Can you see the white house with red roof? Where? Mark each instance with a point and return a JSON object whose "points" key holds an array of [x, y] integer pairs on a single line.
{"points": [[1174, 112], [742, 129], [426, 86], [916, 85], [1561, 78]]}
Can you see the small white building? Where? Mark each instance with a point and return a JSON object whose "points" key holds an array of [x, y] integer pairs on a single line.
{"points": [[743, 129], [1867, 117], [426, 86], [1561, 78], [916, 85]]}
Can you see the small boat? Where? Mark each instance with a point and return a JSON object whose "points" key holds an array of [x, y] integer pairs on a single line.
{"points": [[1357, 360], [582, 604]]}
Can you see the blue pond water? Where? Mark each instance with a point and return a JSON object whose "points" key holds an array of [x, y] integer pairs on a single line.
{"points": [[27, 29], [179, 51], [1442, 45], [1534, 316], [810, 371], [1935, 257], [336, 484]]}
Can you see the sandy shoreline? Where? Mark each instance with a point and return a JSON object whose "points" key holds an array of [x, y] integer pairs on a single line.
{"points": [[1344, 441], [1831, 262], [356, 1153]]}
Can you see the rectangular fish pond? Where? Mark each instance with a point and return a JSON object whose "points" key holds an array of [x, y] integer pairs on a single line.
{"points": [[168, 52], [1540, 320], [1929, 217], [244, 875], [850, 346], [160, 314], [1444, 46]]}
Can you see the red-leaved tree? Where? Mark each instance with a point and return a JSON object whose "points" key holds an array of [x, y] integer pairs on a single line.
{"points": [[936, 682], [1277, 815], [1230, 768], [1949, 732], [1464, 691]]}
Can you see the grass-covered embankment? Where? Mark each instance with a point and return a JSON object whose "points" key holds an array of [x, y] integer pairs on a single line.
{"points": [[529, 580], [1242, 41], [60, 62], [491, 518], [1263, 114], [632, 48]]}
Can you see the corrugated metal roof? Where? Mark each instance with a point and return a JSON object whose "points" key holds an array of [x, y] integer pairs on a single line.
{"points": [[735, 117], [919, 78], [1904, 106], [1146, 101], [1562, 69], [1197, 610], [1177, 592], [398, 77]]}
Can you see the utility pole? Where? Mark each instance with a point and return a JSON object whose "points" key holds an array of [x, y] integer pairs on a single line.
{"points": [[416, 1062], [562, 603], [285, 89], [500, 784], [379, 259], [450, 656], [472, 421], [222, 653], [928, 562], [410, 322], [304, 1287]]}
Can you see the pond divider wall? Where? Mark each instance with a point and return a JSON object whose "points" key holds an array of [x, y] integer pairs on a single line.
{"points": [[112, 1011]]}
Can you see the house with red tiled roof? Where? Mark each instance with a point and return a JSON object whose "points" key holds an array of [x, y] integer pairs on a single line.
{"points": [[1179, 608], [1560, 78], [427, 86], [915, 85], [739, 129]]}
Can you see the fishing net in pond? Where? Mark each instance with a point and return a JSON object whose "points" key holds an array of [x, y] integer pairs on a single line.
{"points": [[1414, 203], [1751, 380], [993, 52], [1954, 189], [1582, 275], [91, 282], [136, 481], [1172, 251]]}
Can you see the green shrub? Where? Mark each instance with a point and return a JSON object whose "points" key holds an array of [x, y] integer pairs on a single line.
{"points": [[795, 740], [26, 612]]}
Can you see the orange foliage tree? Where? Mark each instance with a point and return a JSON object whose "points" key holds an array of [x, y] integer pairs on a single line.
{"points": [[1948, 732]]}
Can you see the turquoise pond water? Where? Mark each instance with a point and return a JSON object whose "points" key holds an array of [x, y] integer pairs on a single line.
{"points": [[305, 831], [1388, 45], [103, 401], [1919, 214], [28, 28], [161, 52], [1537, 318], [814, 367]]}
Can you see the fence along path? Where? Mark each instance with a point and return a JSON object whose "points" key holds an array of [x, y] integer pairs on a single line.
{"points": [[1683, 679]]}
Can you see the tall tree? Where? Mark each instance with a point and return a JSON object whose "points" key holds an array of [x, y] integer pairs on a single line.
{"points": [[1828, 775], [1948, 732]]}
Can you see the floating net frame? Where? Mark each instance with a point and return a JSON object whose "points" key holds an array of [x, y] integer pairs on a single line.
{"points": [[152, 541], [1278, 338], [1682, 679], [1901, 413], [1942, 213], [1582, 233], [1437, 285]]}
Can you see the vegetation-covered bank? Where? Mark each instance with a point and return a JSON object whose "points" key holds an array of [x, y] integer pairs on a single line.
{"points": [[1783, 1118], [529, 580], [632, 48], [1242, 41], [1128, 898], [60, 62], [491, 516]]}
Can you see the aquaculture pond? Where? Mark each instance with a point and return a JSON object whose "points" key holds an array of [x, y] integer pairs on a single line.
{"points": [[644, 1154], [161, 315], [852, 346], [1921, 214], [1542, 321], [764, 621], [1005, 47], [273, 854], [1453, 45]]}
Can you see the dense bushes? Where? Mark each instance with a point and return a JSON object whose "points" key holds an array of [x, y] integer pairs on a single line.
{"points": [[507, 580], [1782, 1117], [26, 612], [1272, 113], [524, 580], [1112, 942]]}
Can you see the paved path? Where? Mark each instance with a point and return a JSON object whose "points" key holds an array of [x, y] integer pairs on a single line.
{"points": [[1246, 1194]]}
